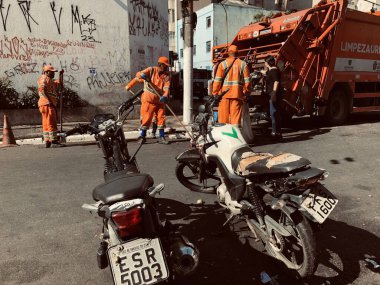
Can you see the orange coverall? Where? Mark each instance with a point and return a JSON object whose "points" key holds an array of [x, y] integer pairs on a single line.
{"points": [[237, 81], [150, 102], [47, 105]]}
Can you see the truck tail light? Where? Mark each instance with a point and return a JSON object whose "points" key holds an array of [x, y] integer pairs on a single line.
{"points": [[128, 223]]}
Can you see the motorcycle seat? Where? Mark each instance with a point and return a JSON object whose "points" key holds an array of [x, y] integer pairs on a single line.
{"points": [[122, 187], [253, 164]]}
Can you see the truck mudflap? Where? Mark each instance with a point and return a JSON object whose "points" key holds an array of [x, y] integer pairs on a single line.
{"points": [[189, 155]]}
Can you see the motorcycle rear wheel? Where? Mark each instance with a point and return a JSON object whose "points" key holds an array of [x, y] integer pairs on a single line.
{"points": [[188, 174], [304, 260], [300, 250]]}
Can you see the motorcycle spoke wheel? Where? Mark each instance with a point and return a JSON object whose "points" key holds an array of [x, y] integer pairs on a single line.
{"points": [[188, 173], [297, 251]]}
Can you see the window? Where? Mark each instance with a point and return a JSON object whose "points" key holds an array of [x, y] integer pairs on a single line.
{"points": [[208, 22], [181, 32], [194, 50], [181, 53], [208, 46], [171, 35]]}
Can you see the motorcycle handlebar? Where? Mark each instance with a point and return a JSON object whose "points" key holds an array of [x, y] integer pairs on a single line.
{"points": [[129, 103]]}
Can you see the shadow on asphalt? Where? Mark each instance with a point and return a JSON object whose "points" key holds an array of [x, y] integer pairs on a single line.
{"points": [[224, 259], [305, 128]]}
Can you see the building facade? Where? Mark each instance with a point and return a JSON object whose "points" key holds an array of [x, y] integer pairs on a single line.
{"points": [[99, 45], [216, 24]]}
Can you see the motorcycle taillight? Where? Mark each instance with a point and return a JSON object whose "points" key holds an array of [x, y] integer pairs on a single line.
{"points": [[128, 223]]}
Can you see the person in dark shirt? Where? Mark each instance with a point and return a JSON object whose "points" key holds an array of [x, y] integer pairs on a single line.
{"points": [[273, 89]]}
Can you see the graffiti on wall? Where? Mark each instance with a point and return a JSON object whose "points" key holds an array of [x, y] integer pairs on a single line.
{"points": [[4, 12], [29, 48], [22, 69], [25, 7], [145, 20], [67, 35], [85, 23], [107, 79], [57, 16]]}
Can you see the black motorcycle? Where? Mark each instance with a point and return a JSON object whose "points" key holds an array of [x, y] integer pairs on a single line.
{"points": [[139, 247]]}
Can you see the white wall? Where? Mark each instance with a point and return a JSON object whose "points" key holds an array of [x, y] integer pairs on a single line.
{"points": [[149, 32], [91, 40]]}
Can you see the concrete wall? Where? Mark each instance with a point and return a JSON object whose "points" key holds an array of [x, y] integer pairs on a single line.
{"points": [[99, 44], [149, 32]]}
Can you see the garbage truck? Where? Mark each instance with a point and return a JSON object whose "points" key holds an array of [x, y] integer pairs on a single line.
{"points": [[328, 55]]}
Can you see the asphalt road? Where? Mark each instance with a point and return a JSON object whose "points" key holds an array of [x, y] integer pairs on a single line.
{"points": [[46, 238]]}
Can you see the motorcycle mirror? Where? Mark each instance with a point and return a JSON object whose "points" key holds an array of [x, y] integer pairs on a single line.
{"points": [[201, 109]]}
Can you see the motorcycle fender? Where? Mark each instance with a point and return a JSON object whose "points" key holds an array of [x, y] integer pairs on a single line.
{"points": [[189, 155], [273, 225]]}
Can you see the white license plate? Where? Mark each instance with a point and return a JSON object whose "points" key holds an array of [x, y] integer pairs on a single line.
{"points": [[320, 203], [138, 262]]}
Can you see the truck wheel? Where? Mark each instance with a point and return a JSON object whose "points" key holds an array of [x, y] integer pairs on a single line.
{"points": [[337, 108]]}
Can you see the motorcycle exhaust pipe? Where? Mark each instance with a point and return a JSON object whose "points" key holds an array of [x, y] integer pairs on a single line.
{"points": [[102, 255], [184, 256]]}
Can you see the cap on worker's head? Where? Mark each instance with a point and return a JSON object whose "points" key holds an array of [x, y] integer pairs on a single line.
{"points": [[49, 68], [232, 49], [164, 60], [270, 59]]}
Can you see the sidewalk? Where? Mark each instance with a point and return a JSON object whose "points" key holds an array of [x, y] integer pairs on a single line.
{"points": [[32, 134]]}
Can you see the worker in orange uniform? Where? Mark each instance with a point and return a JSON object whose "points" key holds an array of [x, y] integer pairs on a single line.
{"points": [[156, 92], [232, 74], [47, 105]]}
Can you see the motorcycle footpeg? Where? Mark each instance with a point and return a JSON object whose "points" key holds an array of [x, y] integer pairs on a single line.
{"points": [[102, 255]]}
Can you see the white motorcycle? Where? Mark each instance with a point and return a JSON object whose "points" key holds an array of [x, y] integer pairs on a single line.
{"points": [[274, 200]]}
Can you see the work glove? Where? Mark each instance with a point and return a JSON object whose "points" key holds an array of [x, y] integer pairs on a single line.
{"points": [[163, 99], [218, 98], [143, 76]]}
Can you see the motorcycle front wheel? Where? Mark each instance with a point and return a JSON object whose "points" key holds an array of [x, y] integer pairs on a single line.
{"points": [[190, 175]]}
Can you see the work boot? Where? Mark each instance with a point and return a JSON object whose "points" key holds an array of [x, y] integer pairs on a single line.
{"points": [[56, 144], [162, 140], [47, 144], [276, 136]]}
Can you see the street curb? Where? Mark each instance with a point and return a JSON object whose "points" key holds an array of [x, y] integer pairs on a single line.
{"points": [[129, 135]]}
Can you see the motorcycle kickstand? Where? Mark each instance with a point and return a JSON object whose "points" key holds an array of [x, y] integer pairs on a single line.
{"points": [[223, 227], [230, 218]]}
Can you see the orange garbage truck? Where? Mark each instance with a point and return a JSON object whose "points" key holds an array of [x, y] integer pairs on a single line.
{"points": [[328, 55]]}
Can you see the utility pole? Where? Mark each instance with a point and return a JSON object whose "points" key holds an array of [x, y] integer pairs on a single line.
{"points": [[187, 12]]}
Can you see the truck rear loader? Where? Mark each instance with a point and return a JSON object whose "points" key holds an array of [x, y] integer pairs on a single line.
{"points": [[328, 55]]}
